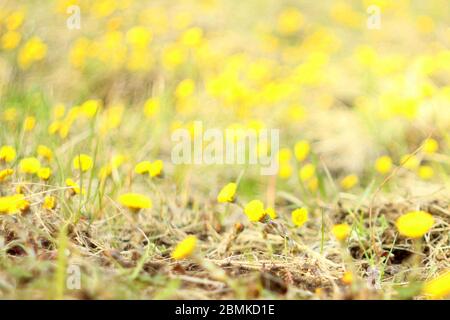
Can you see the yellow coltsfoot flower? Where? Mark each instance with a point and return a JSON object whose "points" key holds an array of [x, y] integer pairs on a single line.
{"points": [[29, 165], [227, 193], [414, 224], [135, 201], [341, 231], [438, 288], [254, 210], [83, 162], [44, 173], [7, 154], [74, 187], [49, 203], [383, 164], [299, 216], [349, 182], [5, 173], [13, 204], [301, 150], [185, 248], [45, 152]]}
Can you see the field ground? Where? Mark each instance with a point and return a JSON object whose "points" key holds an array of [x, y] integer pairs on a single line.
{"points": [[92, 205]]}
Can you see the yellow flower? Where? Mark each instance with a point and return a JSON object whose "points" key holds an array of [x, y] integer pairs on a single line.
{"points": [[227, 193], [301, 150], [425, 172], [5, 173], [415, 224], [430, 146], [438, 287], [156, 168], [45, 152], [83, 162], [383, 164], [90, 108], [285, 170], [185, 248], [350, 181], [192, 37], [284, 155], [341, 231], [299, 216], [142, 167], [254, 210], [152, 107], [74, 187], [10, 40], [271, 213], [347, 278], [307, 172], [410, 162], [33, 50], [10, 114], [29, 123], [15, 20], [58, 111], [290, 21], [49, 203], [135, 201], [29, 165], [7, 154], [139, 37], [13, 204], [44, 173], [185, 89]]}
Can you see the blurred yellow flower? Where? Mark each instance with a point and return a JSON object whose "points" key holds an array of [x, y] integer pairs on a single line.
{"points": [[29, 123], [425, 172], [29, 165], [5, 173], [349, 181], [10, 40], [192, 37], [271, 213], [45, 152], [227, 193], [139, 37], [33, 50], [290, 21], [13, 204], [90, 108], [410, 161], [301, 150], [438, 288], [414, 224], [44, 173], [49, 203], [285, 170], [83, 162], [156, 168], [383, 164], [185, 89], [341, 231], [254, 210], [185, 248], [430, 146], [307, 172], [7, 154], [152, 107], [135, 201], [347, 278], [15, 20], [299, 216], [74, 187]]}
